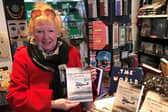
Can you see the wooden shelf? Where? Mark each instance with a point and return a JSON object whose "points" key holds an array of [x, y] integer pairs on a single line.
{"points": [[155, 40], [149, 54], [153, 16]]}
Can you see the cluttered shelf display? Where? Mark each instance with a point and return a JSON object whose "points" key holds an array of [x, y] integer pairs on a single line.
{"points": [[108, 31], [153, 33], [4, 82], [149, 95]]}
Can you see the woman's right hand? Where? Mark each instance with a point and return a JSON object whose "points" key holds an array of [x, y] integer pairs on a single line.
{"points": [[63, 104]]}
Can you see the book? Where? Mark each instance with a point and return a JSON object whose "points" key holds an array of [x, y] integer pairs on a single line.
{"points": [[104, 60], [122, 35], [103, 105], [98, 80], [146, 28], [79, 84], [148, 47], [115, 35], [90, 34], [159, 27], [92, 8], [159, 50], [125, 7], [103, 7], [116, 57], [150, 69], [154, 102], [164, 66], [166, 51], [128, 97], [129, 74], [100, 35], [118, 8]]}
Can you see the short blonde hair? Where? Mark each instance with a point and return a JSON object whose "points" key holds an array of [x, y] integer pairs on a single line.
{"points": [[57, 19]]}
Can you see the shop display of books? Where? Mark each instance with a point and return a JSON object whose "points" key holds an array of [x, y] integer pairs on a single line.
{"points": [[79, 84]]}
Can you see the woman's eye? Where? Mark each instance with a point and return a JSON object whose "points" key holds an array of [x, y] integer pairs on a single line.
{"points": [[51, 30], [39, 31]]}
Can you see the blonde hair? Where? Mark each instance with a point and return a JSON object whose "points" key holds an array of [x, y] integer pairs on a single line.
{"points": [[59, 24]]}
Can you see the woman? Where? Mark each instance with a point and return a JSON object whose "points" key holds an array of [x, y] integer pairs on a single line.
{"points": [[36, 84]]}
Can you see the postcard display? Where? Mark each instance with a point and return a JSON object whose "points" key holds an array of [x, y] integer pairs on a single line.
{"points": [[16, 22]]}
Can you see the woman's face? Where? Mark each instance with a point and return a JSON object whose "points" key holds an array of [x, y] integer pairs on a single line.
{"points": [[45, 33]]}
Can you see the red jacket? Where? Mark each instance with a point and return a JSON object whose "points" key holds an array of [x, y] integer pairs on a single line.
{"points": [[29, 86]]}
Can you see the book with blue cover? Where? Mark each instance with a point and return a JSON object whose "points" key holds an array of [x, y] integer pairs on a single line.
{"points": [[130, 74]]}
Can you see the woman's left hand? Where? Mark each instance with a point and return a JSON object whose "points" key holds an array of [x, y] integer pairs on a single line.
{"points": [[93, 73]]}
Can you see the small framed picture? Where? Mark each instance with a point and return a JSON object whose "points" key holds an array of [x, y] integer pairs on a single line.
{"points": [[166, 51]]}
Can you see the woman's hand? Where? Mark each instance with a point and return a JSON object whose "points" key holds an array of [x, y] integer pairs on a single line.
{"points": [[63, 104], [93, 73]]}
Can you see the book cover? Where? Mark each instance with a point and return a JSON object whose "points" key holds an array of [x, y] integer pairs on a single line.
{"points": [[118, 7], [122, 34], [106, 12], [90, 34], [128, 97], [166, 51], [92, 56], [125, 7], [154, 102], [103, 105], [102, 10], [103, 7], [129, 74], [92, 8], [100, 35], [79, 84], [164, 66], [150, 69], [159, 49], [104, 60], [159, 27]]}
